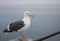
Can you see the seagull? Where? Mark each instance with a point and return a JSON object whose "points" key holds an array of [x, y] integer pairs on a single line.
{"points": [[21, 25]]}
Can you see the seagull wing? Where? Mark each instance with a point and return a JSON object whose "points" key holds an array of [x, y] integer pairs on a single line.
{"points": [[16, 25]]}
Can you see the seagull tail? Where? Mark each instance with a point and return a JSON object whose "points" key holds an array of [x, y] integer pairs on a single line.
{"points": [[6, 31]]}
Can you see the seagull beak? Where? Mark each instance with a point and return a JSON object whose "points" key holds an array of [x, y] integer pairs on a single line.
{"points": [[32, 15]]}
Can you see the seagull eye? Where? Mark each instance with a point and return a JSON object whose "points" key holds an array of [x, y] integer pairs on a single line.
{"points": [[27, 13]]}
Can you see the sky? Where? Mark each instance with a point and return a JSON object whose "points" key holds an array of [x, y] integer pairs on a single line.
{"points": [[14, 2]]}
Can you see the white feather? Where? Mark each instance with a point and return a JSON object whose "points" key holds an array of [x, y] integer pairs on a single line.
{"points": [[27, 24], [8, 27]]}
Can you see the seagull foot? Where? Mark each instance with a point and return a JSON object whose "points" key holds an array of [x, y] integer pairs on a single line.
{"points": [[23, 39]]}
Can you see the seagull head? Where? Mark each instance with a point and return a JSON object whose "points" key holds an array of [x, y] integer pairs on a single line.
{"points": [[27, 13]]}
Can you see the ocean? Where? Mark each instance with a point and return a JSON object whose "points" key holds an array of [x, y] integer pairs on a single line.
{"points": [[45, 21]]}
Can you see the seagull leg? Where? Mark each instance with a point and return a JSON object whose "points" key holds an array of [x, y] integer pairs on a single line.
{"points": [[22, 38], [21, 34]]}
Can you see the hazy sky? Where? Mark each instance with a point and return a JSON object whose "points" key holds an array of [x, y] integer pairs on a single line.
{"points": [[13, 2]]}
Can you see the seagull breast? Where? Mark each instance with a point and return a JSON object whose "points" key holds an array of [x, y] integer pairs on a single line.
{"points": [[27, 24]]}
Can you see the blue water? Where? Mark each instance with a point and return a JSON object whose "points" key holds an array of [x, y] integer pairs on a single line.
{"points": [[46, 20]]}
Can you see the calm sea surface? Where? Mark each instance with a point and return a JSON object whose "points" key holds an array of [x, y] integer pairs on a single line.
{"points": [[46, 20]]}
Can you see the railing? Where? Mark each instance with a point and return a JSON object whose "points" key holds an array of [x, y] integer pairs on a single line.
{"points": [[48, 36]]}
